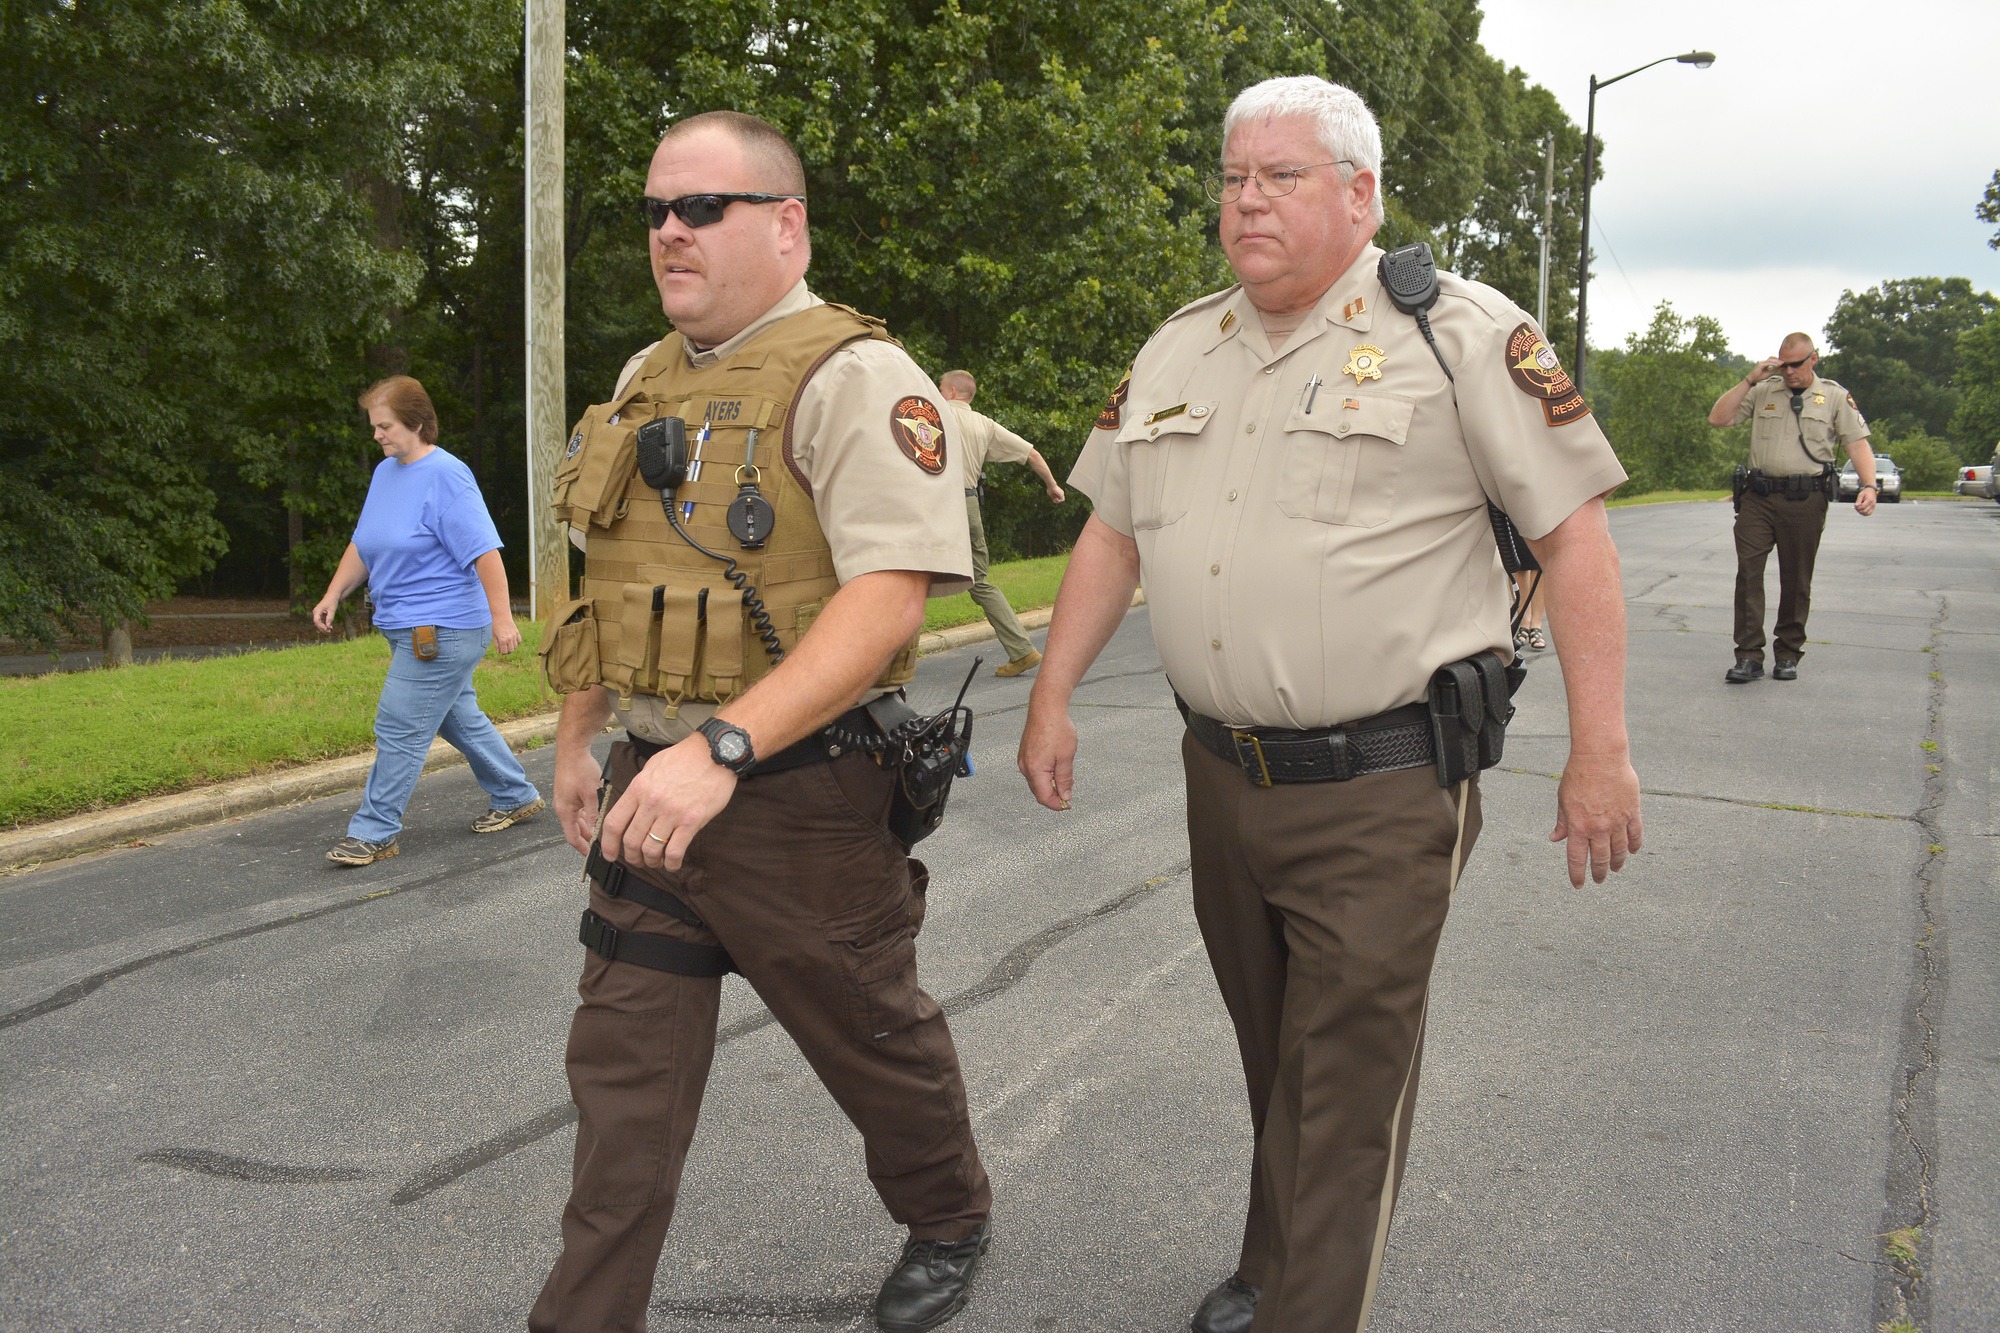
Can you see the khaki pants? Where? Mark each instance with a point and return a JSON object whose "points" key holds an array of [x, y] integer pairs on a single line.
{"points": [[820, 908], [1321, 905], [1793, 528], [1006, 628]]}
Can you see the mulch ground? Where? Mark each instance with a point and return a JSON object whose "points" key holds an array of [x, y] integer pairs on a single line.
{"points": [[200, 622]]}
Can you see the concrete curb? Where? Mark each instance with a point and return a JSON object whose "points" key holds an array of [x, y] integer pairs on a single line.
{"points": [[41, 843]]}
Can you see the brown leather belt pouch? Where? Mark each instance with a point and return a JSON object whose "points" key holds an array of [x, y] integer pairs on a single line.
{"points": [[424, 643]]}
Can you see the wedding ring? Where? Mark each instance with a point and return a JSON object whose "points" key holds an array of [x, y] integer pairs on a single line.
{"points": [[656, 837]]}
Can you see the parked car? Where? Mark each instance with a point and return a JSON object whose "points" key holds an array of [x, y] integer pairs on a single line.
{"points": [[1887, 476], [1993, 476], [1975, 481]]}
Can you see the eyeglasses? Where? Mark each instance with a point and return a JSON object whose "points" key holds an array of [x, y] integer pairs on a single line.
{"points": [[704, 210], [1271, 181], [1794, 365]]}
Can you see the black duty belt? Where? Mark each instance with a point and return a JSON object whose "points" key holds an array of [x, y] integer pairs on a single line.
{"points": [[1399, 738], [814, 749], [632, 946]]}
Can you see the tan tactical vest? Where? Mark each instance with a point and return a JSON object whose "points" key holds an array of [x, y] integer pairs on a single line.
{"points": [[655, 616]]}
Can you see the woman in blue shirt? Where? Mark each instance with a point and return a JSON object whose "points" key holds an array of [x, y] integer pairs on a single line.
{"points": [[430, 554]]}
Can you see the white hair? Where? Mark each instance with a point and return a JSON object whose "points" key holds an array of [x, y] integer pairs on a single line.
{"points": [[1346, 126]]}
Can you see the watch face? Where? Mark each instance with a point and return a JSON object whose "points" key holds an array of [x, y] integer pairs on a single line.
{"points": [[731, 746]]}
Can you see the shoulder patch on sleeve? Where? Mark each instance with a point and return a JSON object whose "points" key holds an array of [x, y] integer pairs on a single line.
{"points": [[1536, 371], [1113, 414], [1851, 403], [919, 430]]}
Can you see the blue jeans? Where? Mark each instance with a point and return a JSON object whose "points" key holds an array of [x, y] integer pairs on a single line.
{"points": [[422, 700]]}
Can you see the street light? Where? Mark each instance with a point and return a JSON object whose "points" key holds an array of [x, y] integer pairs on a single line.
{"points": [[1700, 60]]}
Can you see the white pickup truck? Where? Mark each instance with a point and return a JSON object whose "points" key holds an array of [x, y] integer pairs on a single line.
{"points": [[1976, 481]]}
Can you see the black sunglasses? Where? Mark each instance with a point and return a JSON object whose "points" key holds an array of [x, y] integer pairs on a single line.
{"points": [[703, 210], [1788, 365]]}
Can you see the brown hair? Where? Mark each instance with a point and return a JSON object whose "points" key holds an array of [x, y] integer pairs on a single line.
{"points": [[763, 143], [405, 399], [959, 381]]}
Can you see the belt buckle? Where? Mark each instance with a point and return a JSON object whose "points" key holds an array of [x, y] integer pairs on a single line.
{"points": [[1261, 775]]}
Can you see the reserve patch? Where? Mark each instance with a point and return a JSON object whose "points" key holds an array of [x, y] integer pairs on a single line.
{"points": [[1537, 372], [919, 431], [1114, 407]]}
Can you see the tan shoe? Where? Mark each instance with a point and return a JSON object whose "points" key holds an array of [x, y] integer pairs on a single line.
{"points": [[1019, 664], [495, 820]]}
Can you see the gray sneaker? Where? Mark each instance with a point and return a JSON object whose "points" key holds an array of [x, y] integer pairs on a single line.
{"points": [[495, 820], [361, 852]]}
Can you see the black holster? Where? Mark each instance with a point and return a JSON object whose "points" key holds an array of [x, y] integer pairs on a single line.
{"points": [[1739, 482], [1471, 703]]}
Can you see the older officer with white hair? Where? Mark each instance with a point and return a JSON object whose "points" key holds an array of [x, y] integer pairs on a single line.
{"points": [[1302, 480]]}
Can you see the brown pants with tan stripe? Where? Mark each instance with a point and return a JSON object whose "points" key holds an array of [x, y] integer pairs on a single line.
{"points": [[1321, 905], [799, 879], [1792, 528]]}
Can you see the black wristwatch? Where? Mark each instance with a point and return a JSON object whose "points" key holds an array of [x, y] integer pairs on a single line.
{"points": [[728, 745]]}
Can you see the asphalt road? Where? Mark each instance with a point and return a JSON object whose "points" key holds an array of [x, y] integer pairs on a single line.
{"points": [[242, 1090]]}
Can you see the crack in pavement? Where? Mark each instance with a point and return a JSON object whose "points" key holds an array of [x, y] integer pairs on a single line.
{"points": [[1743, 801], [1900, 1292], [86, 986], [1002, 977], [832, 1310]]}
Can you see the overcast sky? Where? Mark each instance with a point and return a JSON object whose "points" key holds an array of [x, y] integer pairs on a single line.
{"points": [[1832, 145]]}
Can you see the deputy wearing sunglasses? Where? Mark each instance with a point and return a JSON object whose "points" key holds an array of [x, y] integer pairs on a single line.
{"points": [[739, 832], [1797, 422]]}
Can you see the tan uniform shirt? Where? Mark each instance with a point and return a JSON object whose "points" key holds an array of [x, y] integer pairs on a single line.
{"points": [[1783, 444], [1311, 523], [878, 507], [982, 440]]}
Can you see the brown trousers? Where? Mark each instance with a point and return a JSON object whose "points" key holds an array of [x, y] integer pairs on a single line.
{"points": [[1794, 528], [1321, 905], [799, 879]]}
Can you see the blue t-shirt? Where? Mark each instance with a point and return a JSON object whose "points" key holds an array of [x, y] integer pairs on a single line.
{"points": [[421, 527]]}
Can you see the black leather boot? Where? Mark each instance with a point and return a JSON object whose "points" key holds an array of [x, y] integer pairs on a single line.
{"points": [[1227, 1309], [929, 1283], [1746, 670]]}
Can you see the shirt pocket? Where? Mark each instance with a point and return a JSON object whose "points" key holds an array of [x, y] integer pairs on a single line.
{"points": [[1344, 462], [1161, 460]]}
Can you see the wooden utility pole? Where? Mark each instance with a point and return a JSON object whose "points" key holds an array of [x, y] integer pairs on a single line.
{"points": [[548, 553], [1548, 225]]}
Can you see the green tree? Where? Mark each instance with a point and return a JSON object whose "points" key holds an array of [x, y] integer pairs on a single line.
{"points": [[1988, 208], [1926, 462], [1976, 423], [200, 262], [1895, 348], [1653, 398]]}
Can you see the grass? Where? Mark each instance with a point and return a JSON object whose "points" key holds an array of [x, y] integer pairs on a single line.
{"points": [[1663, 498], [83, 740], [1027, 583]]}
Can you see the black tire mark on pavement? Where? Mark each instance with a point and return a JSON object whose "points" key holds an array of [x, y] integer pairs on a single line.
{"points": [[89, 985], [245, 1168], [1002, 977]]}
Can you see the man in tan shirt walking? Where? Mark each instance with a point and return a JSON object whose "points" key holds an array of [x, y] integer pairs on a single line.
{"points": [[1303, 481], [982, 440]]}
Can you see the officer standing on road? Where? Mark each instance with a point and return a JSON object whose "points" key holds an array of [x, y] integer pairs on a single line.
{"points": [[1796, 420], [982, 440], [740, 832], [1305, 491]]}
